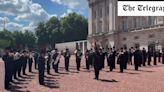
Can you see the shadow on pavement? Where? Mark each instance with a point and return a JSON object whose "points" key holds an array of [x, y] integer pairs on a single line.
{"points": [[146, 71], [50, 82], [110, 81], [15, 88]]}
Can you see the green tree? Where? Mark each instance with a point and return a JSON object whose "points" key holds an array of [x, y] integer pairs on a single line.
{"points": [[6, 38], [26, 39], [74, 27], [42, 35], [53, 29]]}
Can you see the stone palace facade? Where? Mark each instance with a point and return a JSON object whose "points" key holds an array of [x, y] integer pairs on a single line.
{"points": [[108, 30]]}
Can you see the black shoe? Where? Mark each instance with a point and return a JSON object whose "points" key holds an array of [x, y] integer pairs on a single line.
{"points": [[41, 83], [7, 88], [16, 78], [57, 72]]}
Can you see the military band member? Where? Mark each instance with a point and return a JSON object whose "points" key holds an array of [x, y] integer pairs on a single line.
{"points": [[49, 63], [103, 60], [78, 55], [97, 63], [149, 55], [41, 67], [114, 57], [101, 57], [130, 55], [30, 61], [87, 59], [55, 63], [155, 57], [8, 67], [111, 59], [24, 62], [144, 56], [67, 56], [36, 56], [16, 65], [20, 65], [90, 58], [121, 60], [159, 56], [126, 56], [163, 56], [136, 58], [107, 53]]}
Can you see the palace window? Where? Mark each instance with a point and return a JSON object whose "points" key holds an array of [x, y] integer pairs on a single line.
{"points": [[136, 45], [124, 39], [151, 35], [124, 46], [136, 37]]}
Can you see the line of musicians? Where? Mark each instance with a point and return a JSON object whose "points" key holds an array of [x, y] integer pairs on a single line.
{"points": [[123, 57], [15, 64], [16, 61]]}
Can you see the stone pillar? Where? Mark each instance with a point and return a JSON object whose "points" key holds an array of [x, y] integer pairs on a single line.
{"points": [[90, 21], [103, 17], [110, 15], [97, 19], [113, 14]]}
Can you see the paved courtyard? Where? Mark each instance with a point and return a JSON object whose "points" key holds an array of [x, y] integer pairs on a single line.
{"points": [[147, 79]]}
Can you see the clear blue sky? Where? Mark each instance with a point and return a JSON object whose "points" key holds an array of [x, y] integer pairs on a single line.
{"points": [[25, 14]]}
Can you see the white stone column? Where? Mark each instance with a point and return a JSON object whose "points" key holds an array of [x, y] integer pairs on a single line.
{"points": [[97, 19], [103, 17], [113, 15], [110, 15], [90, 21]]}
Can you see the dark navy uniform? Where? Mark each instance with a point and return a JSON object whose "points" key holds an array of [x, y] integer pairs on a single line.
{"points": [[111, 60], [90, 58], [24, 62], [103, 58], [97, 64], [87, 59], [20, 65], [36, 60], [162, 57], [126, 55], [159, 56], [49, 63], [30, 61], [55, 66], [149, 55], [121, 61], [8, 69], [155, 57], [41, 68], [136, 59], [144, 56], [114, 57], [78, 59], [130, 55], [67, 55]]}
